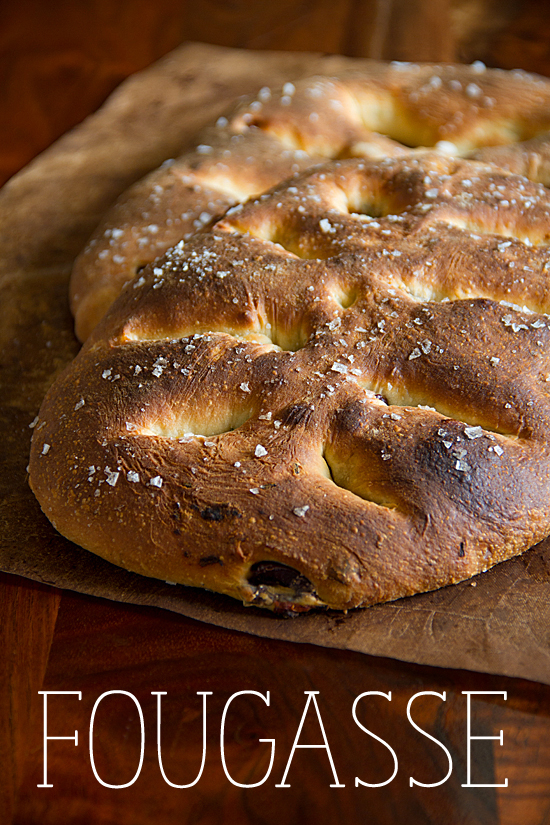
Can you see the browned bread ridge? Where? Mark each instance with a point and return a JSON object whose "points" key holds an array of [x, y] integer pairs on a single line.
{"points": [[338, 394], [379, 112]]}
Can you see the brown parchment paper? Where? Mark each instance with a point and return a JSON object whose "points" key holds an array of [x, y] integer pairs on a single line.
{"points": [[497, 623]]}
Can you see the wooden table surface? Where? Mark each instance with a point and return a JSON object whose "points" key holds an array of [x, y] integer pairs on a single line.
{"points": [[58, 62]]}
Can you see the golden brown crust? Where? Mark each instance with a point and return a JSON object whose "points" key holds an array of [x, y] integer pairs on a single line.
{"points": [[377, 113], [348, 377]]}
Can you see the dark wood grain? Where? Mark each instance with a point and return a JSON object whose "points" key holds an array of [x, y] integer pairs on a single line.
{"points": [[524, 41], [410, 30], [59, 61], [28, 612], [100, 646]]}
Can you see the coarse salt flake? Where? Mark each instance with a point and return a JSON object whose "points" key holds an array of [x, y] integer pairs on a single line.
{"points": [[132, 476], [473, 432], [342, 368], [156, 481], [301, 511], [326, 226], [112, 477], [260, 451]]}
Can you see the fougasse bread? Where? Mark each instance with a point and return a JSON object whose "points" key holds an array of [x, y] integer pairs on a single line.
{"points": [[335, 395], [382, 111]]}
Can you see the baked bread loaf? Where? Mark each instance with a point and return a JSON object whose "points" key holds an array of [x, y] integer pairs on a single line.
{"points": [[380, 112], [337, 394]]}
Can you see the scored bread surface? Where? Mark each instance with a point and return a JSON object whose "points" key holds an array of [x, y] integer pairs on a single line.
{"points": [[382, 111], [337, 394]]}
